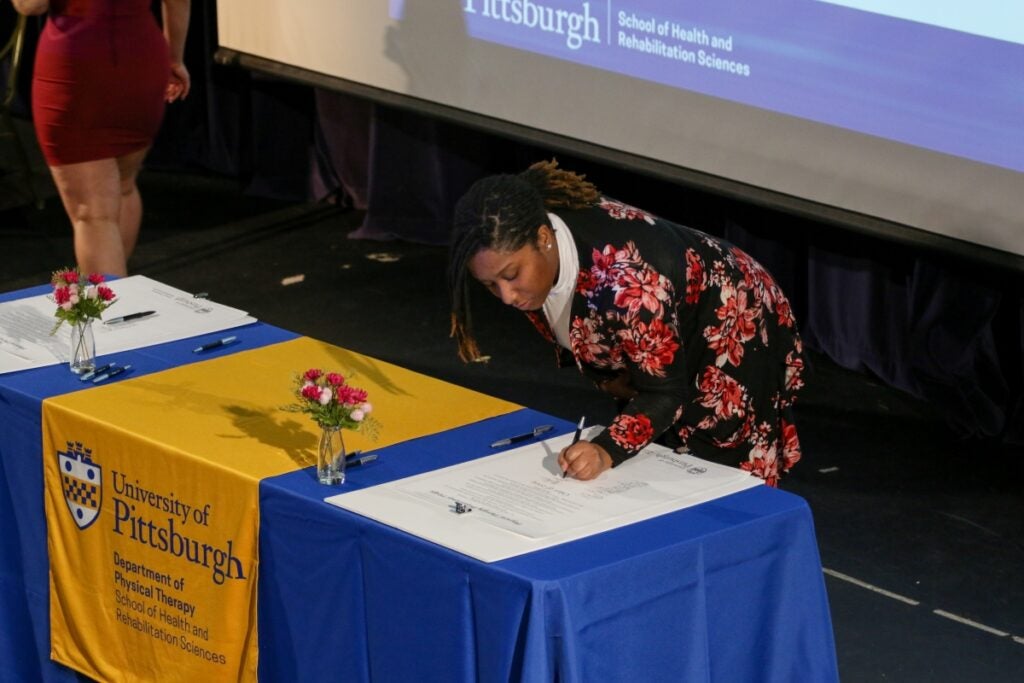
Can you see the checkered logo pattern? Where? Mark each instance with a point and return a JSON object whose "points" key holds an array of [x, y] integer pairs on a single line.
{"points": [[81, 482], [82, 493]]}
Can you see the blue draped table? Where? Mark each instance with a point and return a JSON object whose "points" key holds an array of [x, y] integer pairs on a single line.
{"points": [[731, 590]]}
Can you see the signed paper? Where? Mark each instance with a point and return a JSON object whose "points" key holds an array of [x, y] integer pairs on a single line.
{"points": [[25, 324], [517, 501]]}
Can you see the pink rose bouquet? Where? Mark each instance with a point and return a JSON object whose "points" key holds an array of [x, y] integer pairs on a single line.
{"points": [[79, 297], [331, 402]]}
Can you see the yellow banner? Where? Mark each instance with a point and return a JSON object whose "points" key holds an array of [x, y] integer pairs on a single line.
{"points": [[152, 501]]}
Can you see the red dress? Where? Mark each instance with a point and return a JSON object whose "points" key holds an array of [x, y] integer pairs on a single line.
{"points": [[101, 70]]}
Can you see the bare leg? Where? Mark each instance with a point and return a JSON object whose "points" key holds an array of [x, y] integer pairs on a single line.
{"points": [[103, 204], [91, 192], [130, 217]]}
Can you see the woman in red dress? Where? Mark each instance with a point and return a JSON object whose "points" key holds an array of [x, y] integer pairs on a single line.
{"points": [[103, 71]]}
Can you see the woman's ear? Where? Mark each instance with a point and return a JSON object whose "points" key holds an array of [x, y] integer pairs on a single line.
{"points": [[545, 237]]}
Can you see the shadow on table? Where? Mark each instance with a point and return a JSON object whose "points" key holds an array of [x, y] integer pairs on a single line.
{"points": [[289, 436]]}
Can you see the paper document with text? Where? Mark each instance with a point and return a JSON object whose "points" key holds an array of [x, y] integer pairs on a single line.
{"points": [[26, 324], [515, 502]]}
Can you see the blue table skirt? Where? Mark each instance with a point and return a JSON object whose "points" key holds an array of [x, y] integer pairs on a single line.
{"points": [[729, 591]]}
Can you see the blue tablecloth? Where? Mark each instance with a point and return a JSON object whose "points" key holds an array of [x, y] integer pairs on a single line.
{"points": [[24, 564], [731, 590]]}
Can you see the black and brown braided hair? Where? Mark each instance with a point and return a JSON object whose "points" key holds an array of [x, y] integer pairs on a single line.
{"points": [[504, 213]]}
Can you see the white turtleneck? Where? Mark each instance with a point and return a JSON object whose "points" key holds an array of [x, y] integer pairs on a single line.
{"points": [[558, 305]]}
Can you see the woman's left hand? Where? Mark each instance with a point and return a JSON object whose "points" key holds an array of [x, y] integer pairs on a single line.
{"points": [[584, 460], [179, 84]]}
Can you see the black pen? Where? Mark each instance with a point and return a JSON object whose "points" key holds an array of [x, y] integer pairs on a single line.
{"points": [[96, 371], [537, 431], [214, 344], [130, 316], [111, 373], [575, 440], [365, 460]]}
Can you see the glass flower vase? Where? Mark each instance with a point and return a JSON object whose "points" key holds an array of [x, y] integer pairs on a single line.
{"points": [[330, 462], [83, 347]]}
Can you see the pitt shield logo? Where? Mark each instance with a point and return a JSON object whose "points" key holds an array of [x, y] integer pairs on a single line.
{"points": [[81, 480]]}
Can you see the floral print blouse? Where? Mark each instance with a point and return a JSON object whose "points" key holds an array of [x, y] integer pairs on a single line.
{"points": [[706, 335]]}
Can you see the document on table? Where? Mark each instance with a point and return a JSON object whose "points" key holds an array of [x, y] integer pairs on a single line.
{"points": [[25, 324], [515, 502]]}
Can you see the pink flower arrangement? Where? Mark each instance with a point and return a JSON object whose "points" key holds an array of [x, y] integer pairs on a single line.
{"points": [[331, 402], [79, 297]]}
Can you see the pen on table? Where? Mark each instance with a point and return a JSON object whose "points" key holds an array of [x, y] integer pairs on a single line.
{"points": [[537, 431], [130, 316], [114, 372], [214, 344], [575, 439], [86, 376], [364, 460]]}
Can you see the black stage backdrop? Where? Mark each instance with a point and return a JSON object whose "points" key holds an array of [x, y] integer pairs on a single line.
{"points": [[935, 325]]}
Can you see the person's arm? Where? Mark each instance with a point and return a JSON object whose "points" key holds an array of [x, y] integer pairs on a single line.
{"points": [[652, 384], [31, 7], [175, 17]]}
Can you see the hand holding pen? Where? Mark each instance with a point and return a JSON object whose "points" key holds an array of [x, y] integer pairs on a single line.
{"points": [[575, 440], [583, 459]]}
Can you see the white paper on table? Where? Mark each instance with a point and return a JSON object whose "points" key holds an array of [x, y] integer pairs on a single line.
{"points": [[25, 324], [520, 502]]}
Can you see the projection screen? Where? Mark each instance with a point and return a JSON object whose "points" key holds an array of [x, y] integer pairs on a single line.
{"points": [[895, 117]]}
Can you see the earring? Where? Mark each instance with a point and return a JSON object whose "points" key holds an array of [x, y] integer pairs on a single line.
{"points": [[549, 246]]}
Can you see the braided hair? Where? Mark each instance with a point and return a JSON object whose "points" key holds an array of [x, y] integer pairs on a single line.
{"points": [[504, 213]]}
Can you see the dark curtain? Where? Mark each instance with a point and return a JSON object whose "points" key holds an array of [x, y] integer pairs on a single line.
{"points": [[947, 331]]}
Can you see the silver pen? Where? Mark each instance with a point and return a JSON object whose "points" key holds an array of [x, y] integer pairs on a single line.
{"points": [[113, 372], [130, 316], [85, 377]]}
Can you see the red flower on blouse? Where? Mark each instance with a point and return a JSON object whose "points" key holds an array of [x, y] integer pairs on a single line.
{"points": [[790, 446], [696, 278], [650, 346], [624, 211], [642, 288], [794, 368], [737, 328], [587, 343], [722, 393], [763, 462], [631, 432], [764, 287]]}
